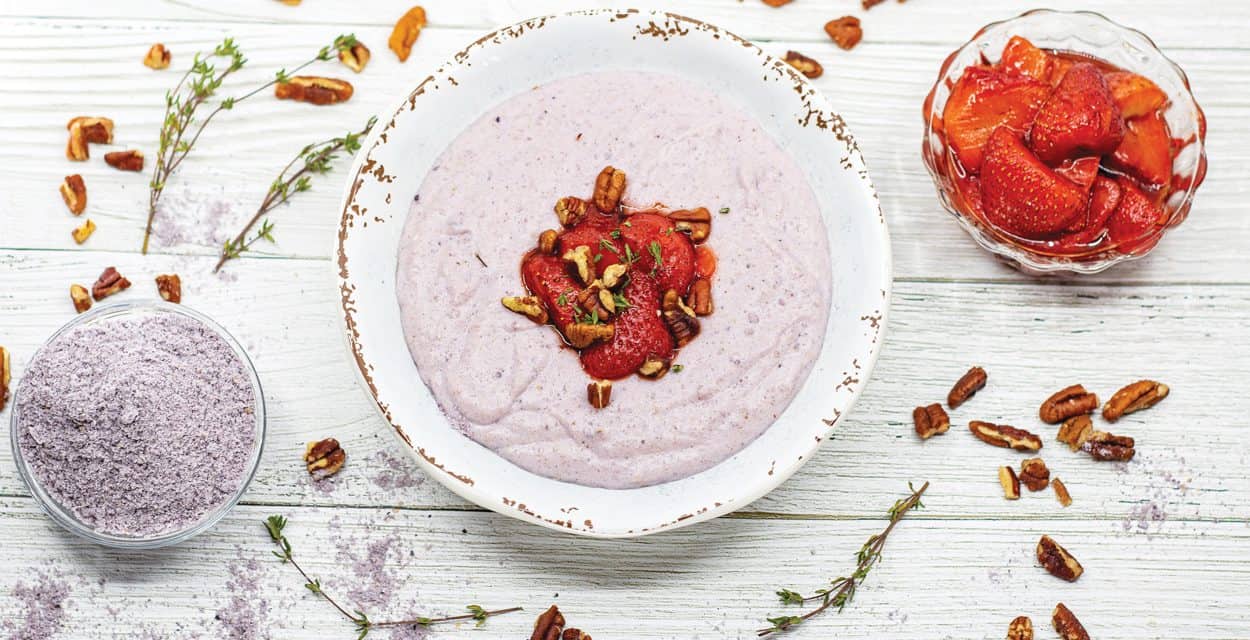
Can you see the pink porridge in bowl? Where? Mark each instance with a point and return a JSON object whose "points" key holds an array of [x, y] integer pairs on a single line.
{"points": [[513, 381]]}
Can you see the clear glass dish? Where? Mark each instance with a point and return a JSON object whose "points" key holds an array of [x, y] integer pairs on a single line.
{"points": [[1092, 34], [64, 516]]}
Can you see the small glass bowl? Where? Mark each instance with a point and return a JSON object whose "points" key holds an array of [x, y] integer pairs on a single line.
{"points": [[1092, 34], [62, 515]]}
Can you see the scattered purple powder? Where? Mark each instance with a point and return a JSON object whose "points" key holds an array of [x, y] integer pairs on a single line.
{"points": [[1166, 478], [373, 585], [394, 472], [43, 600], [139, 425], [246, 615]]}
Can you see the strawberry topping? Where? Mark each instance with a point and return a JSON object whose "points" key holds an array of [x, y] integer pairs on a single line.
{"points": [[639, 333], [984, 100], [1079, 118], [1023, 196]]}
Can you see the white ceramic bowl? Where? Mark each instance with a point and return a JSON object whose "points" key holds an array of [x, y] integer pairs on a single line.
{"points": [[394, 160]]}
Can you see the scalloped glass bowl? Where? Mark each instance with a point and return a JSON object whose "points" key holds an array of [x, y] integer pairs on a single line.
{"points": [[1092, 34], [64, 516]]}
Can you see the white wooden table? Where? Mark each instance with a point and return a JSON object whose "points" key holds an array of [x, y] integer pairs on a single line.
{"points": [[1165, 539]]}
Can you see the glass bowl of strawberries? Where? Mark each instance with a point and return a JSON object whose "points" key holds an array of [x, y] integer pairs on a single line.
{"points": [[1064, 142]]}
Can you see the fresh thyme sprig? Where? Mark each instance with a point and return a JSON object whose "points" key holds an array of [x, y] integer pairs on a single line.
{"points": [[841, 590], [180, 129], [275, 526], [295, 177]]}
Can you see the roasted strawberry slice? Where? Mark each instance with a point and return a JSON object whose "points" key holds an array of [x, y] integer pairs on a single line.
{"points": [[1135, 94], [549, 278], [1081, 171], [638, 333], [1103, 201], [1023, 196], [1022, 57], [596, 232], [983, 100], [647, 236], [1146, 152], [1135, 216], [1078, 119], [704, 261]]}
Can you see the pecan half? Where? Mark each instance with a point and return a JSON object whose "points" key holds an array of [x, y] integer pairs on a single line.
{"points": [[609, 187], [547, 241], [654, 367], [314, 90], [83, 231], [355, 56], [1066, 624], [529, 306], [6, 376], [1068, 402], [74, 193], [1034, 474], [80, 296], [324, 458], [845, 31], [599, 393], [1022, 627], [1142, 394], [966, 387], [695, 222], [108, 283], [571, 209], [1075, 431], [169, 286], [1001, 435], [405, 33], [581, 334], [95, 129], [1010, 482], [129, 160], [1101, 445], [548, 625], [700, 297], [580, 257], [157, 57], [805, 65], [1061, 492], [1057, 561], [930, 421]]}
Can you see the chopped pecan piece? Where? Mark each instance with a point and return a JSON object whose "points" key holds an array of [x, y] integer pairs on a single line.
{"points": [[1061, 492], [547, 241], [96, 130], [1101, 445], [1068, 402], [108, 283], [695, 222], [1066, 624], [157, 57], [405, 33], [80, 296], [679, 318], [1034, 474], [700, 297], [129, 160], [549, 625], [614, 275], [845, 31], [966, 387], [1011, 483], [868, 4], [805, 65], [1075, 431], [324, 458], [596, 301], [777, 3], [1142, 394], [76, 148], [6, 376], [930, 421], [581, 334], [83, 231], [1022, 627], [654, 367], [74, 193], [314, 90], [574, 634], [580, 257], [571, 209], [609, 187], [1056, 560], [1001, 435], [529, 306], [599, 393], [355, 56], [169, 286]]}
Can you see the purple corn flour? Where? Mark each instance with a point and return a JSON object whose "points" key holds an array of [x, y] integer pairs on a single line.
{"points": [[137, 425]]}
